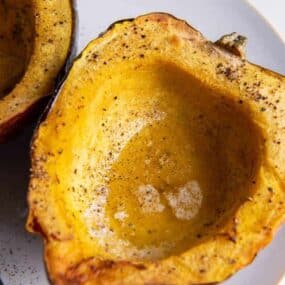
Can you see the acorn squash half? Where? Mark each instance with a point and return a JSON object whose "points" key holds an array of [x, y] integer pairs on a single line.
{"points": [[35, 40], [161, 160]]}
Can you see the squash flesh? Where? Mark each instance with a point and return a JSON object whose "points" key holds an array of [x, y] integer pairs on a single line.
{"points": [[68, 173], [174, 126], [158, 137], [37, 39], [16, 41]]}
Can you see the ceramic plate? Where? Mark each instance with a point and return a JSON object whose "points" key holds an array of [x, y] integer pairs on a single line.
{"points": [[21, 260]]}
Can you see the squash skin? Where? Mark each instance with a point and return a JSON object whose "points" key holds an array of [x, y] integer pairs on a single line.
{"points": [[64, 259], [49, 59]]}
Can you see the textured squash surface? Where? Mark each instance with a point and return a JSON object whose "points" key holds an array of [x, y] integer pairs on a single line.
{"points": [[161, 160], [35, 39]]}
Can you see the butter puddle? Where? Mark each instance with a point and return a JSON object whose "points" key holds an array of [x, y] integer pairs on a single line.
{"points": [[185, 203], [149, 199], [98, 227]]}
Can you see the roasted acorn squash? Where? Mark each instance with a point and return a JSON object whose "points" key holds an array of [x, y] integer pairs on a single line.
{"points": [[35, 40], [161, 160]]}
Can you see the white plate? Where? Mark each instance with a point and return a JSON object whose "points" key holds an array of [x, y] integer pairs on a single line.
{"points": [[20, 253]]}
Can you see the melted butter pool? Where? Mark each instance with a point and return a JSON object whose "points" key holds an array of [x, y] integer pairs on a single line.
{"points": [[154, 183]]}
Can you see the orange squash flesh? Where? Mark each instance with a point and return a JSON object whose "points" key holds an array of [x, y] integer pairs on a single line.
{"points": [[159, 161]]}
